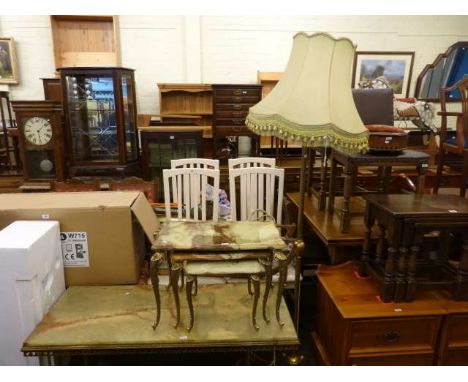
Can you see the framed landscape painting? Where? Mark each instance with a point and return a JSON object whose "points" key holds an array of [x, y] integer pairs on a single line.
{"points": [[384, 69], [8, 66]]}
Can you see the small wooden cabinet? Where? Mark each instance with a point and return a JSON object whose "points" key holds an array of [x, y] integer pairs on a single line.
{"points": [[354, 327], [100, 121], [231, 105]]}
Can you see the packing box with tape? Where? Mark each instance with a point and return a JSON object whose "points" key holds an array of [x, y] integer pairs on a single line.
{"points": [[102, 233]]}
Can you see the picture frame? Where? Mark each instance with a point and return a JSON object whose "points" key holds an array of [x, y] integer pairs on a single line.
{"points": [[8, 63], [384, 69]]}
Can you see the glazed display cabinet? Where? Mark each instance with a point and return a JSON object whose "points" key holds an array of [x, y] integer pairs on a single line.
{"points": [[100, 121]]}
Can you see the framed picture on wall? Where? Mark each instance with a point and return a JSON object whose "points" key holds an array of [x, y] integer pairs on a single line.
{"points": [[384, 69], [8, 65]]}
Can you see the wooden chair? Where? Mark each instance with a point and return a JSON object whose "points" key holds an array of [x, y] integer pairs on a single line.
{"points": [[187, 188], [459, 143], [251, 162], [258, 188], [195, 163]]}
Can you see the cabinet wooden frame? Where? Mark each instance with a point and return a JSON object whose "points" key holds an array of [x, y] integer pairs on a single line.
{"points": [[123, 165], [24, 110]]}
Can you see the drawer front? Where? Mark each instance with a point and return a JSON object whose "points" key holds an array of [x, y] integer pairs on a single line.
{"points": [[229, 122], [458, 357], [399, 334], [237, 91], [394, 360], [232, 130], [237, 107], [231, 114], [249, 99], [457, 330]]}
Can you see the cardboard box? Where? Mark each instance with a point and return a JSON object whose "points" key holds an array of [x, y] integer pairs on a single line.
{"points": [[31, 281], [102, 233]]}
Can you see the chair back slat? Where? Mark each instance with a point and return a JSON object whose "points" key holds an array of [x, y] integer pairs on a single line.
{"points": [[259, 188], [187, 185], [251, 162], [195, 163]]}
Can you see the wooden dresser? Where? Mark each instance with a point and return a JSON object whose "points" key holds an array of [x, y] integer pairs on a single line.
{"points": [[231, 105], [353, 327]]}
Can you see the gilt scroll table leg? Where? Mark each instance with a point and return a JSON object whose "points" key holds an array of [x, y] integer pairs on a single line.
{"points": [[175, 274], [268, 277], [188, 292], [282, 279], [256, 284], [156, 260]]}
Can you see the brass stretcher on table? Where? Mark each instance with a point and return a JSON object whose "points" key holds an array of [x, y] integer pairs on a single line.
{"points": [[235, 248]]}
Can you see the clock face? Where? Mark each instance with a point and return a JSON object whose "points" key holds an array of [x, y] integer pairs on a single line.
{"points": [[38, 131]]}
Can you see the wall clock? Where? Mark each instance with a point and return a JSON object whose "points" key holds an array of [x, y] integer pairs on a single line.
{"points": [[41, 140]]}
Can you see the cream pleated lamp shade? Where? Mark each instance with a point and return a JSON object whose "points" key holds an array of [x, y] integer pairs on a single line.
{"points": [[312, 104]]}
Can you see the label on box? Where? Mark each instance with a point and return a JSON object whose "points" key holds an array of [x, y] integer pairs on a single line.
{"points": [[75, 249]]}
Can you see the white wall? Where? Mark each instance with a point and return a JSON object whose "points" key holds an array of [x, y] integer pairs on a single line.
{"points": [[226, 49]]}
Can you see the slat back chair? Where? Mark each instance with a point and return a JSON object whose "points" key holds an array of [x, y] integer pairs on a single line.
{"points": [[251, 162], [259, 187], [187, 188], [195, 163], [459, 143]]}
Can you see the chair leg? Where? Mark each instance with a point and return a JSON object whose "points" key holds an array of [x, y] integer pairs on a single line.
{"points": [[256, 284], [188, 293]]}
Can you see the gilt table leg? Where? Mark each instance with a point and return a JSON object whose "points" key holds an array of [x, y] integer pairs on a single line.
{"points": [[188, 292], [256, 284], [268, 276], [156, 260], [282, 279], [175, 272]]}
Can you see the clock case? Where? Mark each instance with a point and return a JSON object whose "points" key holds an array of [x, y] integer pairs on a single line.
{"points": [[32, 154], [87, 126]]}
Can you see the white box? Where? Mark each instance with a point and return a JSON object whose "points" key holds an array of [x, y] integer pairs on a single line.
{"points": [[31, 281]]}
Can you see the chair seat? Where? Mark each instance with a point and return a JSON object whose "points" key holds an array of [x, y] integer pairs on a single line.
{"points": [[453, 142], [205, 268]]}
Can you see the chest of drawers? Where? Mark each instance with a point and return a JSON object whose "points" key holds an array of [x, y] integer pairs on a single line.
{"points": [[231, 105], [354, 327]]}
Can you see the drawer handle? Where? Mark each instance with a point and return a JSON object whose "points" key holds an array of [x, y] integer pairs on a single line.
{"points": [[237, 113], [237, 128], [237, 121], [239, 92], [392, 336], [237, 107], [237, 99]]}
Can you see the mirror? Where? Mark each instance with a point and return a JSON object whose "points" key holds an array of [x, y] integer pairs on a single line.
{"points": [[447, 69]]}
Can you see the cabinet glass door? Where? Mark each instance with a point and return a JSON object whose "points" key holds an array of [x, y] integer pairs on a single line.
{"points": [[92, 118], [128, 113]]}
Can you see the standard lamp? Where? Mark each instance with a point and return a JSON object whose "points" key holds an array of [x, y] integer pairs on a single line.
{"points": [[313, 105]]}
